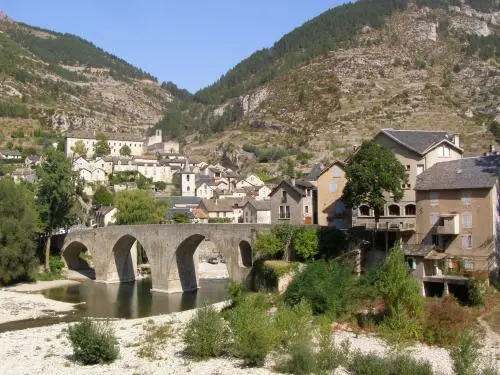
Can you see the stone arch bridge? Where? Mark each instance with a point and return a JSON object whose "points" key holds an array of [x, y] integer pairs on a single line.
{"points": [[170, 250]]}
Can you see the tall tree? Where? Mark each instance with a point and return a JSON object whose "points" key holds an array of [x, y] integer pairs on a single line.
{"points": [[18, 225], [372, 172], [125, 151], [101, 146], [56, 195], [79, 148], [139, 207], [102, 197]]}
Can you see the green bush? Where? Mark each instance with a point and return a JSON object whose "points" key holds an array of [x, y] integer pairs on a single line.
{"points": [[293, 323], [324, 285], [93, 342], [371, 364], [330, 356], [466, 354], [301, 359], [236, 292], [254, 335], [476, 290], [206, 334]]}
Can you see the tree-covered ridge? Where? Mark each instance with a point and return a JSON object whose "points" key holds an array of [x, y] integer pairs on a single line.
{"points": [[72, 50], [331, 30]]}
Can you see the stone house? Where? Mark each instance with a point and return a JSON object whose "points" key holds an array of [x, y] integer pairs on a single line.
{"points": [[105, 216], [24, 174], [457, 221], [32, 161], [218, 208], [115, 141], [331, 209], [418, 151], [10, 154], [292, 203], [258, 212]]}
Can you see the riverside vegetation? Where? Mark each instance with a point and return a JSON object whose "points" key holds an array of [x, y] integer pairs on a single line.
{"points": [[293, 332]]}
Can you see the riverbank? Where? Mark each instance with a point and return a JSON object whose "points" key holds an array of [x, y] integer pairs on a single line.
{"points": [[47, 350]]}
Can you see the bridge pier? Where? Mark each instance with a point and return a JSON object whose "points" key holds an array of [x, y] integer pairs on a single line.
{"points": [[122, 267]]}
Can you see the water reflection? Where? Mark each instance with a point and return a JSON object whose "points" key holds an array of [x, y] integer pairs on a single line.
{"points": [[135, 299]]}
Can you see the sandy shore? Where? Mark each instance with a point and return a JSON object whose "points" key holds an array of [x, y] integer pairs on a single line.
{"points": [[38, 286]]}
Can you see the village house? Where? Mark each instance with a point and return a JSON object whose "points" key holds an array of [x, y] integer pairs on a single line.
{"points": [[24, 174], [457, 223], [105, 216], [115, 142], [33, 161], [218, 208], [417, 150], [292, 203], [331, 209], [258, 212], [10, 154]]}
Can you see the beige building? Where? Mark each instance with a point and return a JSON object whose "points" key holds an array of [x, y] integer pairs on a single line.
{"points": [[115, 141], [457, 218], [331, 209], [257, 212], [417, 151]]}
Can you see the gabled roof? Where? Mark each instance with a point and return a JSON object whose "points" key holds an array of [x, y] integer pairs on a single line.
{"points": [[217, 205], [467, 173], [335, 162], [298, 187], [315, 172], [420, 141], [184, 200], [260, 205], [105, 210], [8, 152]]}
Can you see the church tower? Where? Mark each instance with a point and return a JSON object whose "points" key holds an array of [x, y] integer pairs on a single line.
{"points": [[188, 183]]}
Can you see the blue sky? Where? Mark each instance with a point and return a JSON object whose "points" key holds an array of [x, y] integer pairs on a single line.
{"points": [[191, 43]]}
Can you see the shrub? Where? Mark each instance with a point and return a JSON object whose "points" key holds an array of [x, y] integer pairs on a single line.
{"points": [[466, 354], [293, 324], [324, 286], [266, 273], [301, 360], [476, 291], [206, 334], [420, 64], [445, 321], [236, 291], [370, 364], [93, 342], [329, 356], [253, 330]]}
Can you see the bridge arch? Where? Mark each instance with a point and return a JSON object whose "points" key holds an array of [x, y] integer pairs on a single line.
{"points": [[77, 257], [245, 254], [122, 265]]}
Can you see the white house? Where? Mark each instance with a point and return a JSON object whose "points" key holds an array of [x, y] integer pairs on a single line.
{"points": [[10, 154], [218, 208], [105, 216], [115, 142], [257, 212]]}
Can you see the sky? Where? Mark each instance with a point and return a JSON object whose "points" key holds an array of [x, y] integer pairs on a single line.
{"points": [[189, 42]]}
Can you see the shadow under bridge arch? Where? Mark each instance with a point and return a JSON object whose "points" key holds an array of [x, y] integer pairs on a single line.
{"points": [[122, 265], [77, 258]]}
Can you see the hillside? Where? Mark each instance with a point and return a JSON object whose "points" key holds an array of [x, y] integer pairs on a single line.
{"points": [[51, 83], [428, 65]]}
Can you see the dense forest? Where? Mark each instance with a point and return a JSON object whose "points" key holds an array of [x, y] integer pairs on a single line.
{"points": [[333, 29], [72, 50]]}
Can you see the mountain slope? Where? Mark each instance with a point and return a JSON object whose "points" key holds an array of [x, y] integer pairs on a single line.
{"points": [[52, 83], [425, 67]]}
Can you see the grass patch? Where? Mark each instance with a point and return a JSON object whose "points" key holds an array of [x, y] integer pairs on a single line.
{"points": [[153, 339]]}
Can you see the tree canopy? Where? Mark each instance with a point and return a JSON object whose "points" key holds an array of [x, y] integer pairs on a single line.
{"points": [[101, 146], [125, 151], [138, 207], [372, 172], [102, 197], [18, 225], [79, 148]]}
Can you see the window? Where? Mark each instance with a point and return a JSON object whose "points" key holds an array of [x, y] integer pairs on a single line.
{"points": [[443, 152], [410, 210], [364, 211], [283, 197], [406, 186], [467, 220], [188, 188], [407, 166], [340, 207], [308, 192], [333, 187], [468, 264], [420, 168], [336, 171], [434, 198], [306, 209], [434, 219], [435, 240], [394, 210], [466, 198], [284, 212], [412, 263], [467, 242], [187, 177]]}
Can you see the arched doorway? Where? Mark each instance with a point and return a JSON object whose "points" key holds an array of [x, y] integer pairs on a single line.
{"points": [[245, 254], [77, 258]]}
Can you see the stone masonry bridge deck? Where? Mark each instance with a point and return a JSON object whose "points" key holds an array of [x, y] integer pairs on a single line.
{"points": [[170, 249]]}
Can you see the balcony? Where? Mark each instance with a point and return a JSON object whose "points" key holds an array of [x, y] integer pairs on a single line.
{"points": [[395, 224], [448, 224]]}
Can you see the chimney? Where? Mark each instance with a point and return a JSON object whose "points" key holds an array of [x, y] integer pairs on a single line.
{"points": [[293, 181], [456, 140], [492, 149]]}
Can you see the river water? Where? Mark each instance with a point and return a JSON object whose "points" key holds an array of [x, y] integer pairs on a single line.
{"points": [[135, 299]]}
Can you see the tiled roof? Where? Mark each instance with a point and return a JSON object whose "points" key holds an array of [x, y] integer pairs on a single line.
{"points": [[260, 205], [419, 141], [109, 136], [466, 173], [184, 200], [217, 205], [10, 152], [314, 173]]}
